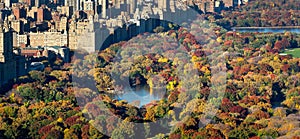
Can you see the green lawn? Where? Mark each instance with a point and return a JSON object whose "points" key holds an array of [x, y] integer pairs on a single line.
{"points": [[294, 52]]}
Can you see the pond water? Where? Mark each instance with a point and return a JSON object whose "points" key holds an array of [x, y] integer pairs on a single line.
{"points": [[268, 30], [139, 96], [142, 95]]}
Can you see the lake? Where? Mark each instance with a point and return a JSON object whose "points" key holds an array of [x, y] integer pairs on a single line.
{"points": [[140, 96], [267, 29]]}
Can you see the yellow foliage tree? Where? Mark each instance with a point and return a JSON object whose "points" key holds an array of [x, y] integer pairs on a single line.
{"points": [[162, 60]]}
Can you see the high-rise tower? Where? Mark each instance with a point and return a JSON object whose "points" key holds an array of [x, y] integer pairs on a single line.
{"points": [[132, 6], [7, 60], [6, 47], [104, 5], [163, 4]]}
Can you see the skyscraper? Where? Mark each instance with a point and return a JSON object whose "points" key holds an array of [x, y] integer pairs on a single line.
{"points": [[88, 5], [104, 5], [96, 7], [7, 3], [7, 61], [132, 6], [117, 3], [37, 3], [163, 4], [73, 3]]}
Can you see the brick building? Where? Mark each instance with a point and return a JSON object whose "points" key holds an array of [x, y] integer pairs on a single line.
{"points": [[43, 13], [19, 12]]}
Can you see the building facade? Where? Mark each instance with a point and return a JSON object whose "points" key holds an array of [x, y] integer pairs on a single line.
{"points": [[50, 38], [8, 61]]}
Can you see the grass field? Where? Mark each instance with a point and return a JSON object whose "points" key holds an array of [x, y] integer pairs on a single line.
{"points": [[294, 52]]}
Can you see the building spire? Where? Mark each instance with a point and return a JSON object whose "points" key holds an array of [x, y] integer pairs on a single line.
{"points": [[96, 10], [6, 24]]}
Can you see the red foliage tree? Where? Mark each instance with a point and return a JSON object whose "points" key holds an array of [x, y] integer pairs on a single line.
{"points": [[226, 105], [45, 129], [278, 45], [72, 120], [238, 109]]}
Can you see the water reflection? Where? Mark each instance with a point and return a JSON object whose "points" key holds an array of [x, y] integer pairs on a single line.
{"points": [[141, 95], [268, 30]]}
